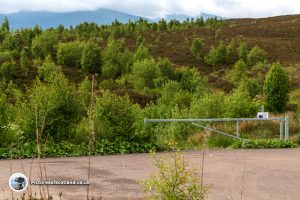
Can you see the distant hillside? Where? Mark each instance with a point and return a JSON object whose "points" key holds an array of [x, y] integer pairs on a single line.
{"points": [[182, 17], [28, 19]]}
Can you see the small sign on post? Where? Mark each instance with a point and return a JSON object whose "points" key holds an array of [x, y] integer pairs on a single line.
{"points": [[262, 115]]}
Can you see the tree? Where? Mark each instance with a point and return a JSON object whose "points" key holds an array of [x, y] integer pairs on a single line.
{"points": [[238, 104], [24, 61], [141, 53], [115, 118], [116, 59], [5, 25], [54, 104], [239, 71], [45, 44], [91, 58], [276, 88], [217, 55], [197, 48], [144, 73], [256, 55], [162, 25], [243, 51], [69, 54]]}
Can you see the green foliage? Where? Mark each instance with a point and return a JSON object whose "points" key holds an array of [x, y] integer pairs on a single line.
{"points": [[48, 68], [84, 93], [255, 56], [5, 70], [217, 55], [218, 33], [69, 54], [144, 73], [243, 51], [191, 80], [162, 25], [5, 25], [172, 94], [116, 59], [175, 180], [45, 44], [209, 106], [276, 88], [117, 117], [263, 144], [232, 51], [141, 53], [91, 58], [24, 60], [239, 71], [238, 104], [197, 48], [55, 103], [66, 148], [250, 85], [297, 139], [217, 140]]}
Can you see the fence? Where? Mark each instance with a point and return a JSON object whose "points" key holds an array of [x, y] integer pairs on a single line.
{"points": [[283, 121]]}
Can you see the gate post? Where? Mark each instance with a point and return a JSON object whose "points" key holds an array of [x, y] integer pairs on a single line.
{"points": [[286, 135], [281, 128]]}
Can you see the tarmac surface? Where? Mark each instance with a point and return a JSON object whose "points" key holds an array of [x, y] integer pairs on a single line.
{"points": [[231, 174]]}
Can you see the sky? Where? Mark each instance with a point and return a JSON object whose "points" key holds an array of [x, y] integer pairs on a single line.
{"points": [[160, 8]]}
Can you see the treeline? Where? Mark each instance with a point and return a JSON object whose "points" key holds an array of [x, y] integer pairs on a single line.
{"points": [[61, 110]]}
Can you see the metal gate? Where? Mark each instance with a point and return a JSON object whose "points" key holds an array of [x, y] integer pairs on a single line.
{"points": [[283, 121]]}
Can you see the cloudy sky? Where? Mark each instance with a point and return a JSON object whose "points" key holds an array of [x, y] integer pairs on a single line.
{"points": [[160, 8]]}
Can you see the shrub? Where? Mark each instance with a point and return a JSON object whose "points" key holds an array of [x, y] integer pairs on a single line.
{"points": [[91, 58], [45, 44], [5, 70], [218, 33], [276, 88], [239, 71], [255, 56], [209, 106], [191, 80], [197, 48], [144, 73], [69, 54], [217, 140], [217, 55], [54, 102], [175, 180], [117, 117], [243, 51], [141, 53], [263, 144], [48, 68], [239, 104]]}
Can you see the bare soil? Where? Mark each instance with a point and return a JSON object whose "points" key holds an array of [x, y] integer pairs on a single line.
{"points": [[268, 174]]}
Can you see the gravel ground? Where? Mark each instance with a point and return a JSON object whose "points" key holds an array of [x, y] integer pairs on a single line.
{"points": [[268, 174]]}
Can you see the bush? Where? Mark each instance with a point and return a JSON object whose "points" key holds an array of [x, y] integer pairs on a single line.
{"points": [[255, 56], [238, 104], [243, 51], [141, 53], [192, 81], [217, 55], [117, 118], [262, 144], [69, 54], [175, 180], [91, 58], [55, 103], [45, 44], [239, 71], [5, 70], [197, 48], [276, 88], [217, 140], [144, 73]]}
